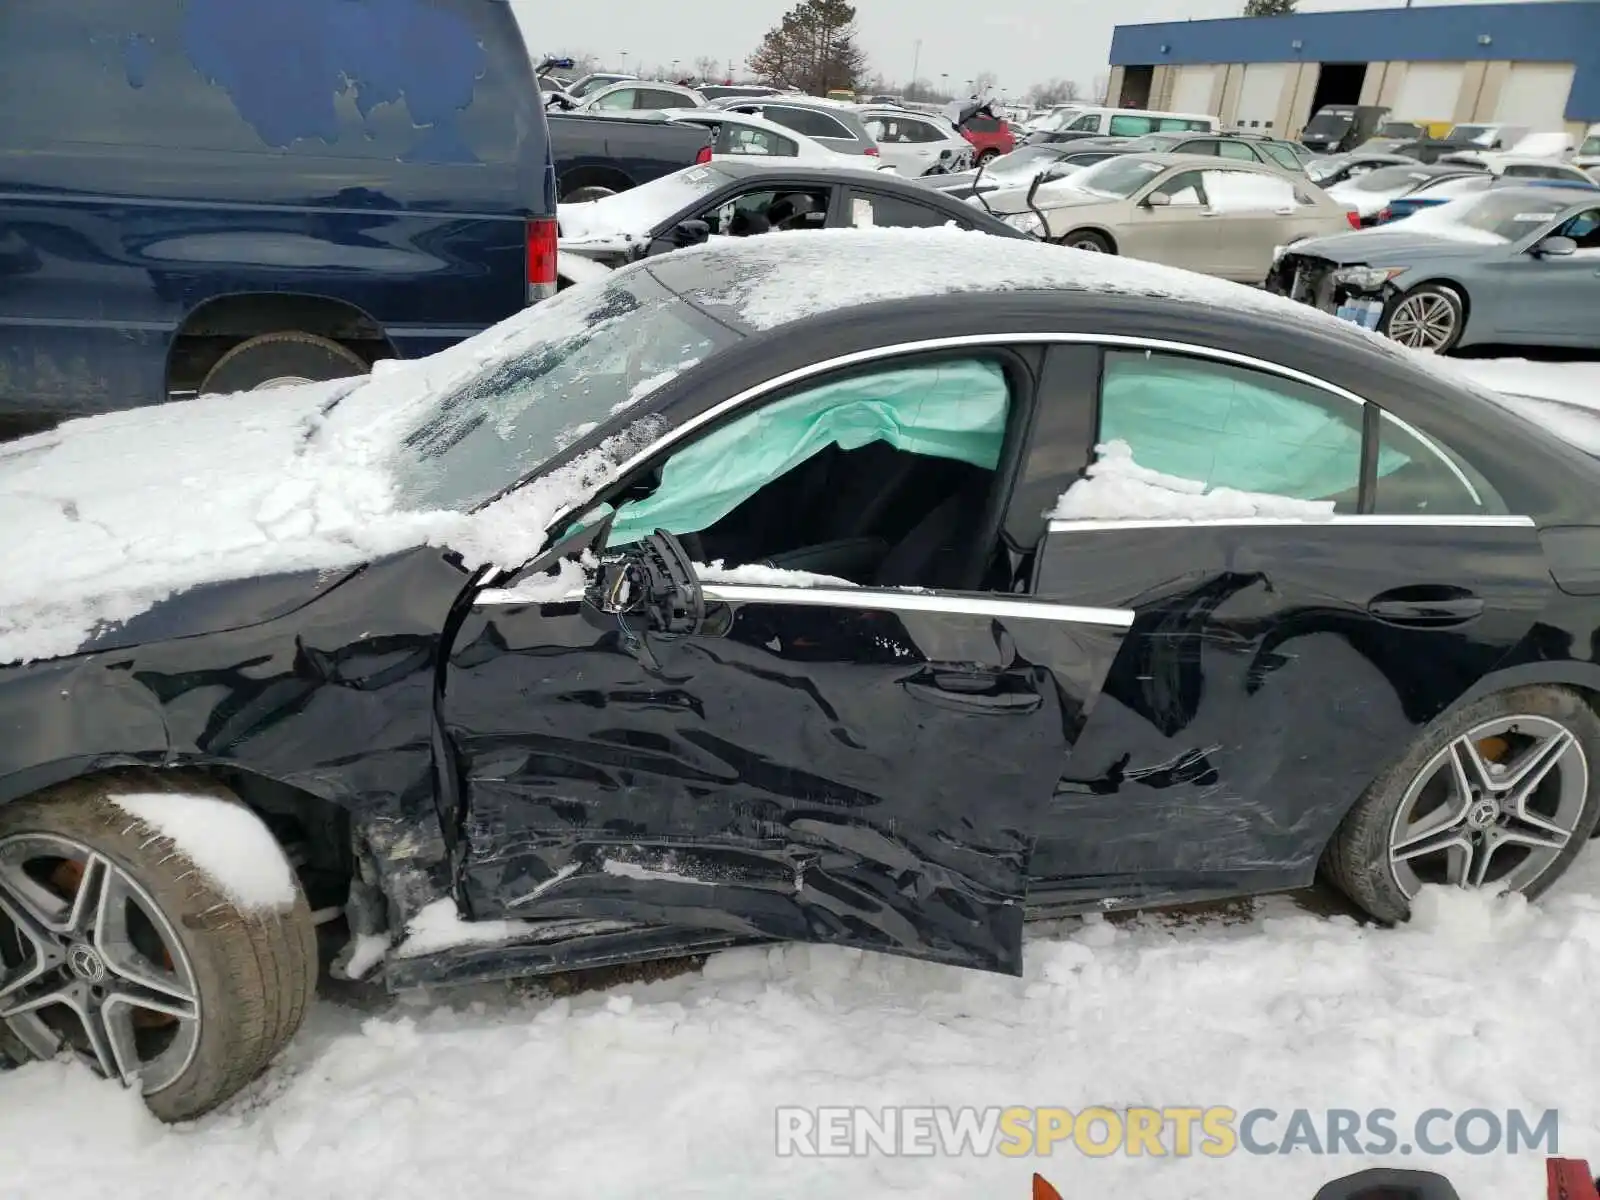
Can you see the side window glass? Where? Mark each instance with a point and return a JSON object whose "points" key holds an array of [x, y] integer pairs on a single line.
{"points": [[1089, 121], [621, 98], [1182, 190], [869, 209], [1236, 150], [1187, 436], [880, 478], [1279, 156], [1585, 230], [769, 210], [1201, 147], [1124, 125], [1418, 477], [649, 98]]}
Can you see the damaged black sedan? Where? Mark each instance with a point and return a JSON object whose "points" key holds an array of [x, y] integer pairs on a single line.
{"points": [[879, 589]]}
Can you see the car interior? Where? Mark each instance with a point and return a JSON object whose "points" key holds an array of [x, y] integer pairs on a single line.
{"points": [[881, 479], [770, 210]]}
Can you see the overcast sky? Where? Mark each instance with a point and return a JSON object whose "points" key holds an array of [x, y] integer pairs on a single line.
{"points": [[1021, 41]]}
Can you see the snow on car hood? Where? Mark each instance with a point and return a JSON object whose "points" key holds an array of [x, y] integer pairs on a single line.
{"points": [[108, 515]]}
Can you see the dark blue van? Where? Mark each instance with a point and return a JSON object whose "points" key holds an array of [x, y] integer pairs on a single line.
{"points": [[221, 195]]}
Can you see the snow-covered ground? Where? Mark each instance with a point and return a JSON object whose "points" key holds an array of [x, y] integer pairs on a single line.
{"points": [[668, 1089]]}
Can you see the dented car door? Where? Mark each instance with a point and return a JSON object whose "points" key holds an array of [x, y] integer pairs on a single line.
{"points": [[858, 766]]}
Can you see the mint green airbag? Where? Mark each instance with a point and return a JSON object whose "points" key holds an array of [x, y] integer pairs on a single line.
{"points": [[951, 410], [1212, 425]]}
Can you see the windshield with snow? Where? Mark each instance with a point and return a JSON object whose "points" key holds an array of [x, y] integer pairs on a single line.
{"points": [[1591, 145], [1058, 119], [578, 360], [1470, 135], [1508, 216], [1117, 177], [1389, 179]]}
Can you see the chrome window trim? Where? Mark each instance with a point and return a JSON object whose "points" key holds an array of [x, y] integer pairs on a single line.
{"points": [[1374, 520], [875, 599], [892, 600], [967, 341]]}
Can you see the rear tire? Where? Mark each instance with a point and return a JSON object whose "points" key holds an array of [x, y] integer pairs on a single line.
{"points": [[583, 194], [281, 360], [1400, 834], [987, 157], [251, 972]]}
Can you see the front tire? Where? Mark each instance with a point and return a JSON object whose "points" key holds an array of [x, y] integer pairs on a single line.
{"points": [[1503, 794], [1430, 318], [116, 946], [1088, 240]]}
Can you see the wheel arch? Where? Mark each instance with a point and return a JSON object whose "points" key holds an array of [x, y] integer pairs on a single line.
{"points": [[219, 323], [1098, 230], [294, 814], [1456, 286], [596, 174]]}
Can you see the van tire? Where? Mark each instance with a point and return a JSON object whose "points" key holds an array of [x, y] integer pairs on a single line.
{"points": [[277, 359]]}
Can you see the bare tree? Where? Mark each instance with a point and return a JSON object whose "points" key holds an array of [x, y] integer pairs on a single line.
{"points": [[707, 68], [1053, 91], [1268, 8]]}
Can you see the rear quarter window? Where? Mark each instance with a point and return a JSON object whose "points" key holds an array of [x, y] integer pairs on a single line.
{"points": [[804, 120]]}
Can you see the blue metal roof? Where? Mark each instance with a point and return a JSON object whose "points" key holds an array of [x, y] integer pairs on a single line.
{"points": [[1567, 31]]}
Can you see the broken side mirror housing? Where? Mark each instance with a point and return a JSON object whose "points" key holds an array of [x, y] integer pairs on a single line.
{"points": [[649, 587], [684, 233]]}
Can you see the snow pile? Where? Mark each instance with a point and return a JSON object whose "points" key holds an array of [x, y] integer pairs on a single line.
{"points": [[438, 926], [106, 516], [1115, 488], [667, 1090], [225, 842], [757, 575]]}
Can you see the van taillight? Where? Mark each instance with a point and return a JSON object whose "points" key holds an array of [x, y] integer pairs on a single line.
{"points": [[704, 156], [1353, 217], [541, 259]]}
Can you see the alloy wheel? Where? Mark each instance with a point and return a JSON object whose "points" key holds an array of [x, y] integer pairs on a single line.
{"points": [[89, 963], [1088, 244], [1423, 321], [279, 381], [1495, 807]]}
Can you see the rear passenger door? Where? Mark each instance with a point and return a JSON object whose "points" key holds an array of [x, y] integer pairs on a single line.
{"points": [[1249, 213], [1290, 636], [868, 209]]}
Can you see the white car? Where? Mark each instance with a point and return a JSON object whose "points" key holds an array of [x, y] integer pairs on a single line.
{"points": [[916, 143], [742, 135], [636, 94]]}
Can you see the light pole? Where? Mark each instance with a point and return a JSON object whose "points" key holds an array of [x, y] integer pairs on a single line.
{"points": [[916, 60], [623, 69]]}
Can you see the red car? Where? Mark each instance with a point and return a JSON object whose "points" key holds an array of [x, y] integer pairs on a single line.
{"points": [[990, 136]]}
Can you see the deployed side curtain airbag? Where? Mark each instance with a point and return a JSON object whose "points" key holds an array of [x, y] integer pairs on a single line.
{"points": [[1217, 427], [946, 410]]}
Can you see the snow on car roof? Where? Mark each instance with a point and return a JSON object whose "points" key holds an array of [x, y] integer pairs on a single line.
{"points": [[775, 280]]}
